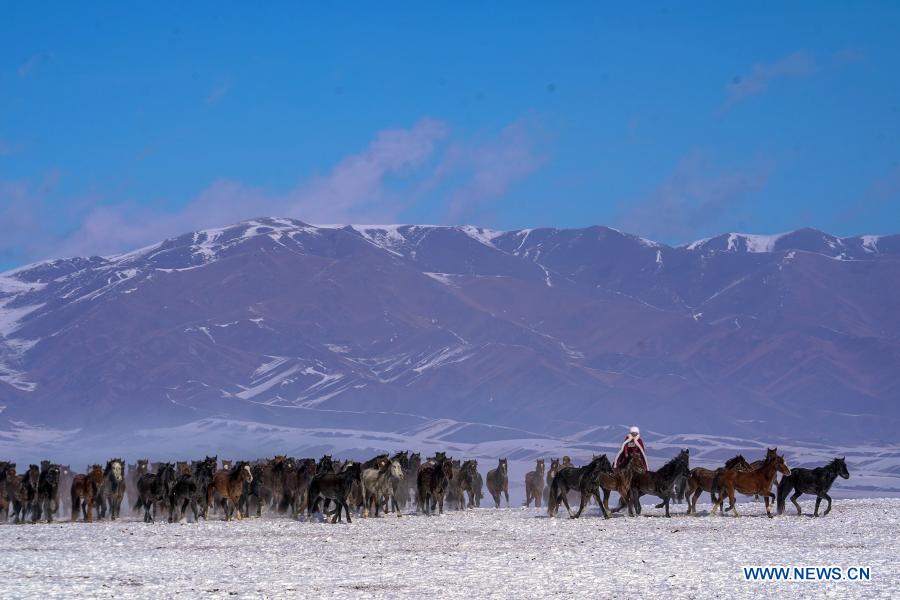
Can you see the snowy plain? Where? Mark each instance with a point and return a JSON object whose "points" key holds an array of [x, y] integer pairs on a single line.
{"points": [[482, 553]]}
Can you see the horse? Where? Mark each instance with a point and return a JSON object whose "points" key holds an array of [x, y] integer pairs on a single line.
{"points": [[135, 472], [758, 481], [585, 480], [478, 489], [701, 480], [47, 500], [112, 491], [378, 484], [296, 486], [407, 487], [658, 483], [335, 487], [84, 491], [432, 482], [65, 483], [816, 481], [184, 492], [619, 481], [551, 473], [534, 484], [26, 486], [462, 483], [498, 481], [325, 465], [7, 487], [229, 486], [155, 488]]}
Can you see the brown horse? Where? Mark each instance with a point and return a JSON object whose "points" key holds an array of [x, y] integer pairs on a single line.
{"points": [[534, 484], [84, 489], [701, 480], [229, 485], [619, 480], [758, 481]]}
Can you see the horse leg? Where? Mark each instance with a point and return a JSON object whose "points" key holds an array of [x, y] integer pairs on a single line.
{"points": [[581, 504], [346, 509], [731, 502], [818, 502], [506, 493], [768, 512], [794, 497], [828, 498], [564, 494], [600, 502], [666, 504]]}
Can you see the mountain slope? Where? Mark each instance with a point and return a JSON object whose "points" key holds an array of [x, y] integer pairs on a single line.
{"points": [[547, 330]]}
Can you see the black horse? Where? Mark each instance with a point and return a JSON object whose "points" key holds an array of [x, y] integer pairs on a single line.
{"points": [[155, 488], [46, 501], [335, 487], [25, 493], [659, 483], [585, 480], [811, 481]]}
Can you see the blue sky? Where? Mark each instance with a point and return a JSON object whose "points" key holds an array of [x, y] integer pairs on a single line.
{"points": [[119, 127]]}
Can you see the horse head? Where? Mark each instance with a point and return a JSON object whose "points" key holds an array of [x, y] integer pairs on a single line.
{"points": [[51, 476], [841, 467], [781, 466], [246, 474], [602, 463], [396, 469], [96, 473], [503, 466], [539, 466]]}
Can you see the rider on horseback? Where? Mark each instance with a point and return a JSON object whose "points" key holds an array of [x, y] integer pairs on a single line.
{"points": [[632, 446]]}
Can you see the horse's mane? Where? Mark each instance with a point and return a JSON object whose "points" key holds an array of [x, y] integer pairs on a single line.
{"points": [[736, 460], [669, 467]]}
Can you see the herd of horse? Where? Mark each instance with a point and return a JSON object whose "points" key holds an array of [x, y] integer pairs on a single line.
{"points": [[302, 487]]}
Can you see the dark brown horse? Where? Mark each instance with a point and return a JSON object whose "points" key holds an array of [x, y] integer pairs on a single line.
{"points": [[432, 482], [758, 481], [228, 486], [8, 487], [84, 489], [534, 484], [619, 481], [701, 480], [498, 482]]}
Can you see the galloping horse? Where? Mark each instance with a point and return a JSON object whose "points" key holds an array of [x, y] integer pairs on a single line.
{"points": [[112, 491], [585, 480], [335, 487], [229, 485], [812, 481], [84, 490], [498, 481], [619, 481], [701, 480], [758, 481], [659, 483], [432, 482]]}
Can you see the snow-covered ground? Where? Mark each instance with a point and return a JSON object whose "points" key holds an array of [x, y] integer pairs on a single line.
{"points": [[485, 553]]}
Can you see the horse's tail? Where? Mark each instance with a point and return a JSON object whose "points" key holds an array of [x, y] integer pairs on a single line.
{"points": [[784, 488], [139, 504], [553, 499]]}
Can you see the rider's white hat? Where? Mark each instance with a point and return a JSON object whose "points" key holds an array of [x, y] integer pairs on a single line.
{"points": [[634, 429]]}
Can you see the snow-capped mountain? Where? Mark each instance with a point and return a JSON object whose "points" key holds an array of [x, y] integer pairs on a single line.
{"points": [[544, 331]]}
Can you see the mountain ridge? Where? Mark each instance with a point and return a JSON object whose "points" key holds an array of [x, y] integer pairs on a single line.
{"points": [[544, 329]]}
